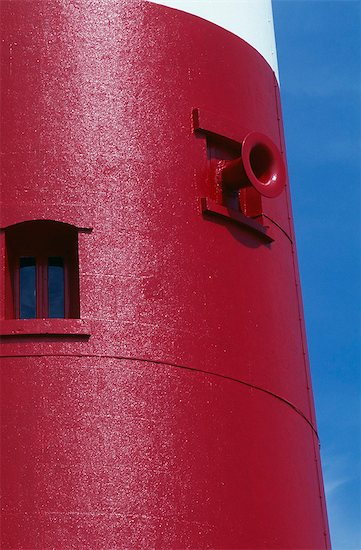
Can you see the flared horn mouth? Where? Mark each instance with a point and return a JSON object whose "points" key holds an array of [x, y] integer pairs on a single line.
{"points": [[260, 165]]}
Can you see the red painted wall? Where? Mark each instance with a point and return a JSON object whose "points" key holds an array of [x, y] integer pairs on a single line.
{"points": [[177, 412]]}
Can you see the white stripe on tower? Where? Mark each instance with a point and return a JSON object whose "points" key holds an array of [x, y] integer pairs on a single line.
{"points": [[252, 20]]}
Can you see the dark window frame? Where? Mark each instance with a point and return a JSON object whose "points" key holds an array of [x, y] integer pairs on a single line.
{"points": [[43, 240]]}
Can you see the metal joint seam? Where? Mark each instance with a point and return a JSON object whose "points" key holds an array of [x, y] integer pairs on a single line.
{"points": [[160, 362]]}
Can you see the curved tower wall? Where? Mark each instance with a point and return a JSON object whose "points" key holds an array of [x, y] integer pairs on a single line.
{"points": [[176, 411], [251, 20]]}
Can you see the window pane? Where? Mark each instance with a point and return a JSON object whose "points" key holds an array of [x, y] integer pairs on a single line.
{"points": [[27, 288], [56, 287]]}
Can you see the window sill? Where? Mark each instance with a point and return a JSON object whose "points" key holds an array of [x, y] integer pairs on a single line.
{"points": [[60, 327]]}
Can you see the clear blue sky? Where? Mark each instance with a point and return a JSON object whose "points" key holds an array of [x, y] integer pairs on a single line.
{"points": [[319, 53]]}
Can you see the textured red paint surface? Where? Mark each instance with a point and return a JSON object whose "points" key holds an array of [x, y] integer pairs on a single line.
{"points": [[185, 419]]}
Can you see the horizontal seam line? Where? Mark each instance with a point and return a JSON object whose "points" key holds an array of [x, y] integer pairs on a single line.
{"points": [[159, 362]]}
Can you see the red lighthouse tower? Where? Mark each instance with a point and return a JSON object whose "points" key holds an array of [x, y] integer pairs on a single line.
{"points": [[155, 381]]}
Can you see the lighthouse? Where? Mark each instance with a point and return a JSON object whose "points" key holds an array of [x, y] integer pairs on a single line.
{"points": [[155, 382]]}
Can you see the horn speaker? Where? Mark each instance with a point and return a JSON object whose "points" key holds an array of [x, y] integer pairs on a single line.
{"points": [[260, 165]]}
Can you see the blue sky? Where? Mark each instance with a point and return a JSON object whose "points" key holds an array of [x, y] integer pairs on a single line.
{"points": [[319, 49]]}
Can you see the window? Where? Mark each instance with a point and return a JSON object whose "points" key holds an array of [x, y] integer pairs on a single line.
{"points": [[42, 278]]}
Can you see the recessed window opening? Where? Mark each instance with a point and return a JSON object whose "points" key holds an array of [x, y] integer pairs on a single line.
{"points": [[42, 275]]}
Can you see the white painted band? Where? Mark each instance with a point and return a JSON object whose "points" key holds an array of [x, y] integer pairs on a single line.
{"points": [[252, 20]]}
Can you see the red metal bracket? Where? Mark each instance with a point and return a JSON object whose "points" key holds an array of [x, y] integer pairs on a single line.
{"points": [[212, 207]]}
